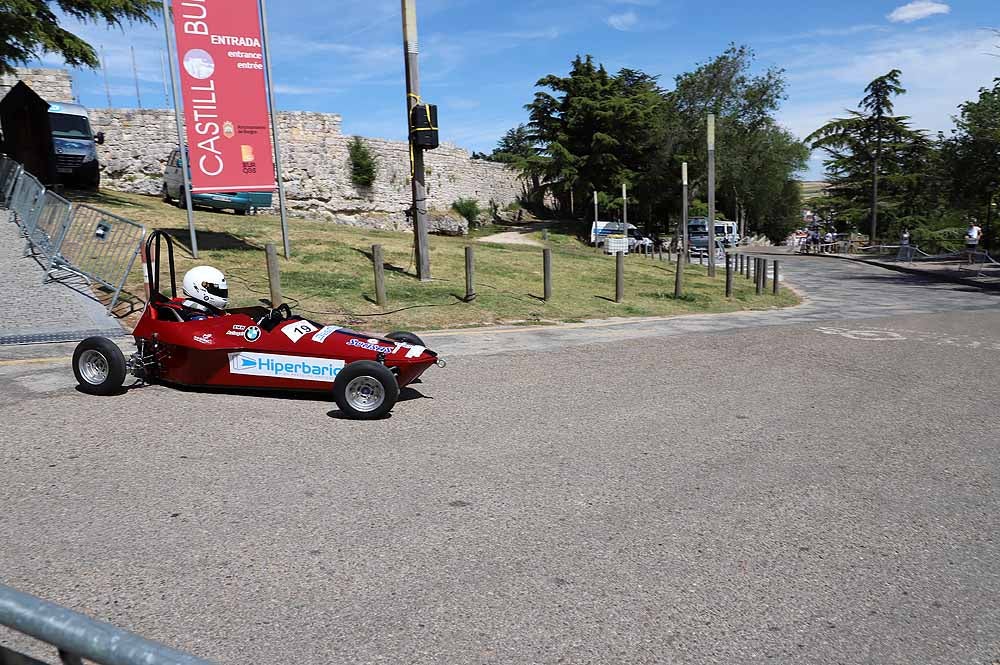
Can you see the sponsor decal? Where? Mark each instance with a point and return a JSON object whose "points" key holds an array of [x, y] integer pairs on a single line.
{"points": [[323, 333], [204, 339], [415, 351], [285, 367], [236, 331], [371, 345], [298, 329], [251, 334]]}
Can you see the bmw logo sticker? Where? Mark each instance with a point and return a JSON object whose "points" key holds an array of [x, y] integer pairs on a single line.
{"points": [[252, 334]]}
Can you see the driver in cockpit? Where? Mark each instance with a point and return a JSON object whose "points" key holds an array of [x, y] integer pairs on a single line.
{"points": [[207, 293]]}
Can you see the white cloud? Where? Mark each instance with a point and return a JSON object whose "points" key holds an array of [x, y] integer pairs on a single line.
{"points": [[624, 21], [916, 10]]}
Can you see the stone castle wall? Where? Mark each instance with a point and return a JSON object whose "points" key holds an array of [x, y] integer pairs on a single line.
{"points": [[52, 85], [314, 159], [316, 168]]}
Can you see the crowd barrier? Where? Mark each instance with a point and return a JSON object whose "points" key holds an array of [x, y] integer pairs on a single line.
{"points": [[77, 637], [79, 239]]}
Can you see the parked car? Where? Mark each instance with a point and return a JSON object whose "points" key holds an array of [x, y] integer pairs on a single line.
{"points": [[239, 202], [75, 145]]}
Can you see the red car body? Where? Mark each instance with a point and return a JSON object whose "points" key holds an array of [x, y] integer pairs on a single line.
{"points": [[240, 350]]}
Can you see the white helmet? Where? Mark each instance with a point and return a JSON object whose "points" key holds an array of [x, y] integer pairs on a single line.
{"points": [[207, 286]]}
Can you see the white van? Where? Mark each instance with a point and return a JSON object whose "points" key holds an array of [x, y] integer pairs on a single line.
{"points": [[75, 145]]}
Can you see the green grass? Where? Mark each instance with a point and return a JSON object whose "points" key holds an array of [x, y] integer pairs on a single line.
{"points": [[330, 273]]}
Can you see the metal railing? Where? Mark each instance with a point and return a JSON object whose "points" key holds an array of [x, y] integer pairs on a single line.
{"points": [[25, 200], [100, 246], [80, 239], [78, 637], [9, 171], [50, 225]]}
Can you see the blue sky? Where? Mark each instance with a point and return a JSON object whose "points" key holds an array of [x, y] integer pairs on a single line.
{"points": [[480, 59]]}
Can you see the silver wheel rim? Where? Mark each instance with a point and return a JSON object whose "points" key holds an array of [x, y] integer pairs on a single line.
{"points": [[93, 367], [365, 394]]}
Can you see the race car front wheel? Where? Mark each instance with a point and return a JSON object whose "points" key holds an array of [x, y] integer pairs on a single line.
{"points": [[365, 390], [99, 366]]}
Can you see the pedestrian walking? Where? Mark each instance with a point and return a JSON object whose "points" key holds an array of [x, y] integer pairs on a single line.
{"points": [[972, 237]]}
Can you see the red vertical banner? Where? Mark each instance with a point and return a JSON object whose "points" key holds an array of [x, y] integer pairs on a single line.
{"points": [[225, 99]]}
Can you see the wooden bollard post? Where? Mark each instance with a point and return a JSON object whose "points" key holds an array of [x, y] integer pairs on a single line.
{"points": [[620, 277], [545, 235], [775, 287], [547, 273], [748, 266], [470, 274], [729, 275], [761, 267], [701, 258], [678, 278], [273, 274], [379, 264]]}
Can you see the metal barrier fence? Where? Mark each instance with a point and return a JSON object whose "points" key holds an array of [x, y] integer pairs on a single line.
{"points": [[25, 200], [80, 239], [100, 246], [50, 225], [9, 171], [79, 637]]}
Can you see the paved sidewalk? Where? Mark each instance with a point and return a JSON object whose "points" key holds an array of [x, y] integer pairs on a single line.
{"points": [[37, 312]]}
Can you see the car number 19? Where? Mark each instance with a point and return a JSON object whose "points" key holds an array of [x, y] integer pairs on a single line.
{"points": [[299, 329]]}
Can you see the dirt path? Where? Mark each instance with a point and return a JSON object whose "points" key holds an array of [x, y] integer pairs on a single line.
{"points": [[519, 237]]}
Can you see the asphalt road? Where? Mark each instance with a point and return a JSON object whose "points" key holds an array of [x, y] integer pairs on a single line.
{"points": [[817, 486]]}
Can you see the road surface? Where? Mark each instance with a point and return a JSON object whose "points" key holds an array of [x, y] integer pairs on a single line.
{"points": [[815, 485]]}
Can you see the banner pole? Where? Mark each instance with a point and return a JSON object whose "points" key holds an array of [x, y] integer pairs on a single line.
{"points": [[265, 39], [181, 143]]}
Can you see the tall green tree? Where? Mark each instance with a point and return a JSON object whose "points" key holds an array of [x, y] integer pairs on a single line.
{"points": [[972, 155], [865, 135], [30, 28]]}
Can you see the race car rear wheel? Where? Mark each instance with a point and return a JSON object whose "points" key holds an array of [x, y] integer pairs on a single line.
{"points": [[365, 390], [407, 337], [99, 366]]}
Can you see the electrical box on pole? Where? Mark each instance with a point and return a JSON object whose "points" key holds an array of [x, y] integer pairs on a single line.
{"points": [[424, 126]]}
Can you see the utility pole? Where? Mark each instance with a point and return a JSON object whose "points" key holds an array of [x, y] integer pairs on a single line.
{"points": [[595, 206], [711, 195], [135, 75], [684, 215], [104, 70], [625, 211], [411, 52]]}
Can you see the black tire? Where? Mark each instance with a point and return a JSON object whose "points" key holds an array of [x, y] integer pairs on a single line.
{"points": [[241, 212], [346, 391], [166, 194], [407, 337], [99, 366]]}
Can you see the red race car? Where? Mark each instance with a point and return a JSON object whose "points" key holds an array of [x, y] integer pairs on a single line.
{"points": [[253, 348]]}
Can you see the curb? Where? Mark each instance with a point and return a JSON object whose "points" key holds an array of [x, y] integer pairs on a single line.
{"points": [[931, 276]]}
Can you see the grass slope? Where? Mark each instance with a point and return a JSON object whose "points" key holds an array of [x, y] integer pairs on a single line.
{"points": [[330, 273]]}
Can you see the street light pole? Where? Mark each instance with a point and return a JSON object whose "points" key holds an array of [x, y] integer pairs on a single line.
{"points": [[711, 195], [411, 52]]}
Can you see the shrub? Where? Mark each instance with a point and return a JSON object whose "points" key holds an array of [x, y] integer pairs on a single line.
{"points": [[513, 206], [467, 208], [364, 169]]}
